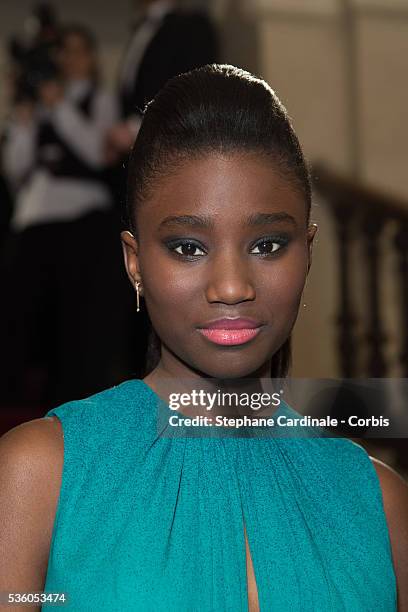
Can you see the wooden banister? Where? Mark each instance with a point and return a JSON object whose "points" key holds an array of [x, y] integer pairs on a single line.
{"points": [[362, 213]]}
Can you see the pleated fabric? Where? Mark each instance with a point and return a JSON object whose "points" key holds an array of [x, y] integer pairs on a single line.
{"points": [[152, 522]]}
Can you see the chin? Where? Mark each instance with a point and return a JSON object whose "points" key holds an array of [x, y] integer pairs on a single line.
{"points": [[230, 370]]}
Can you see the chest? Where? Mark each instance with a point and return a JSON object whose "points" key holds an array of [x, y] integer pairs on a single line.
{"points": [[253, 602], [216, 531]]}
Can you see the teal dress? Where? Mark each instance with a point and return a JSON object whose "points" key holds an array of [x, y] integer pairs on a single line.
{"points": [[149, 522]]}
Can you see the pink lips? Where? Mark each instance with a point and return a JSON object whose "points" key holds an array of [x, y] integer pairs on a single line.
{"points": [[228, 332]]}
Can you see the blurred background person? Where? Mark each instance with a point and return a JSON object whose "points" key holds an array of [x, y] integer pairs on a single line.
{"points": [[165, 41], [30, 54], [58, 308]]}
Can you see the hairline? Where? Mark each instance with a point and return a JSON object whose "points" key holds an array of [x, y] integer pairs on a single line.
{"points": [[175, 158]]}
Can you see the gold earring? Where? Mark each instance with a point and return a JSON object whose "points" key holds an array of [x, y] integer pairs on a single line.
{"points": [[137, 296]]}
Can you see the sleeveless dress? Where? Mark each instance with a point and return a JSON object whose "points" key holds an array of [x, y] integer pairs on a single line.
{"points": [[151, 523]]}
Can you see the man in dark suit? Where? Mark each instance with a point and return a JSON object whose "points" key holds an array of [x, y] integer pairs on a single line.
{"points": [[166, 41]]}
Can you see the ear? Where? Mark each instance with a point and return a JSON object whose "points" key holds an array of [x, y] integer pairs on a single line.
{"points": [[311, 233], [130, 248]]}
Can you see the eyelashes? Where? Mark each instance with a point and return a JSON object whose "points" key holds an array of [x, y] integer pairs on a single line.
{"points": [[187, 248], [192, 250], [270, 245]]}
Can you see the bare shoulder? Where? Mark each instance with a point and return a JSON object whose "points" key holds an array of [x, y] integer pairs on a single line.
{"points": [[395, 497], [31, 462], [31, 451]]}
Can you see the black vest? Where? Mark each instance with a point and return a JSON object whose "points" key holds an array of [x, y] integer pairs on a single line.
{"points": [[54, 154]]}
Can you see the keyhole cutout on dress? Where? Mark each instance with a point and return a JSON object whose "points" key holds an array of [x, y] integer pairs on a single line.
{"points": [[253, 603]]}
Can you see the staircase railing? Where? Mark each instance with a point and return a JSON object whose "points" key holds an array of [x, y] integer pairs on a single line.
{"points": [[363, 214]]}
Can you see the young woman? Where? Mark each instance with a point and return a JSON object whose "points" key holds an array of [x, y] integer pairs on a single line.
{"points": [[101, 504]]}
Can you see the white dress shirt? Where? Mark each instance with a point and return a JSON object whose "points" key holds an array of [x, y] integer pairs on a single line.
{"points": [[44, 198]]}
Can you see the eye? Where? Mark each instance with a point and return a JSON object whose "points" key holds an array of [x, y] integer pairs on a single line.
{"points": [[269, 246], [186, 248]]}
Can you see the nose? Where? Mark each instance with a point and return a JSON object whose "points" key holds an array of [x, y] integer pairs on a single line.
{"points": [[230, 281]]}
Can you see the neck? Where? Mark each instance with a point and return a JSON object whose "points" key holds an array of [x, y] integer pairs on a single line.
{"points": [[212, 397], [172, 372]]}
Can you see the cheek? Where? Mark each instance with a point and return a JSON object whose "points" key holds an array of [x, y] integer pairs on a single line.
{"points": [[282, 291], [87, 62], [282, 287], [168, 288]]}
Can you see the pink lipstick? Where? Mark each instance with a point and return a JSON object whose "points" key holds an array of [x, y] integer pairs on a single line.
{"points": [[230, 332]]}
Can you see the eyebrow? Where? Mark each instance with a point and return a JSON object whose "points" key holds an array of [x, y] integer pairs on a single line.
{"points": [[265, 218], [255, 219]]}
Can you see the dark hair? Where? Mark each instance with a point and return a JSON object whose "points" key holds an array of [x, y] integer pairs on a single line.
{"points": [[77, 29], [87, 36], [216, 108]]}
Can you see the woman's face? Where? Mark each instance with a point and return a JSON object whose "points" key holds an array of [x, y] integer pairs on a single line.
{"points": [[76, 59], [221, 237]]}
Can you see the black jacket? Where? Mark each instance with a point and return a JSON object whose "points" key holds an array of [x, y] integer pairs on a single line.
{"points": [[183, 42]]}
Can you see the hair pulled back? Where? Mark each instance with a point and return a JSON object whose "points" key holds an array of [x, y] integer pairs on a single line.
{"points": [[214, 109]]}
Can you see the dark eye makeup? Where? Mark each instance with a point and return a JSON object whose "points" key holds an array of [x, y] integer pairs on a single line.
{"points": [[192, 250], [269, 245], [187, 248]]}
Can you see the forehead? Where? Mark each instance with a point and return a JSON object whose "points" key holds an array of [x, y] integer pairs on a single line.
{"points": [[227, 187]]}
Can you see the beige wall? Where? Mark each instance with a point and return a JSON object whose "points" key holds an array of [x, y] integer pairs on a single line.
{"points": [[383, 57]]}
